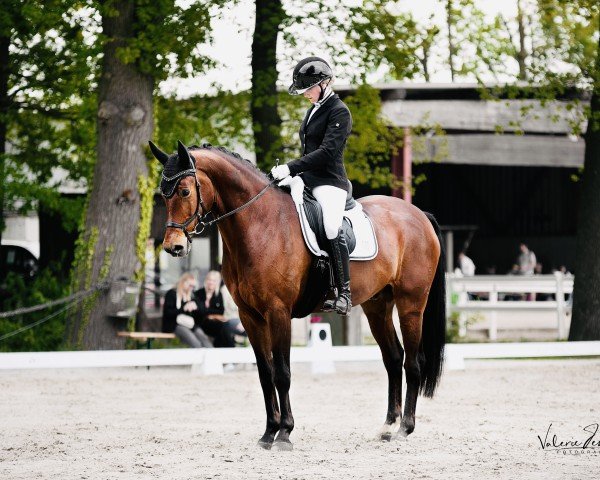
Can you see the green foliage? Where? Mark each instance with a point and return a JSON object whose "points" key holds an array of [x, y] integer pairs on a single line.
{"points": [[81, 274], [382, 37], [46, 286], [372, 142], [146, 186], [222, 119], [165, 36], [53, 67], [48, 114], [453, 324]]}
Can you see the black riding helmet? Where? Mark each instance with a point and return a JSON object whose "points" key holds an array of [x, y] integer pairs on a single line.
{"points": [[308, 73]]}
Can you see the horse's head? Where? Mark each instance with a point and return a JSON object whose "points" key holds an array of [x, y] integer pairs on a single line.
{"points": [[185, 190]]}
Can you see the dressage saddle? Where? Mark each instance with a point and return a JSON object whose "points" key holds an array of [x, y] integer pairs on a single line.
{"points": [[314, 215]]}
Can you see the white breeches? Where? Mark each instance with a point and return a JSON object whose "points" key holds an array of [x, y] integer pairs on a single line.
{"points": [[333, 202]]}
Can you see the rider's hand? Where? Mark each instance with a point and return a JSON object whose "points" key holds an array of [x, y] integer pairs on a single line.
{"points": [[280, 172], [286, 181]]}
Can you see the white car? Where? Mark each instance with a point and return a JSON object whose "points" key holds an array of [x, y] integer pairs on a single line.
{"points": [[20, 257]]}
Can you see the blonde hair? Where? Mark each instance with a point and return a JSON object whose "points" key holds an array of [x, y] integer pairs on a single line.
{"points": [[181, 295], [217, 276]]}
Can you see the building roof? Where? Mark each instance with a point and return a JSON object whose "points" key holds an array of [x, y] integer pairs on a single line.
{"points": [[507, 131]]}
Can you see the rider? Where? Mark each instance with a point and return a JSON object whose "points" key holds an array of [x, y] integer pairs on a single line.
{"points": [[323, 135]]}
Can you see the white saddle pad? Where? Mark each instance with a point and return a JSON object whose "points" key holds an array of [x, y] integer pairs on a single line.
{"points": [[366, 241]]}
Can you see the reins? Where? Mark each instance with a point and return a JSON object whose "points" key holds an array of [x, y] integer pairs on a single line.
{"points": [[202, 218], [233, 212]]}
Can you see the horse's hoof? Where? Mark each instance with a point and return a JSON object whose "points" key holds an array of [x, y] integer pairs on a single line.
{"points": [[265, 445], [406, 429], [388, 431], [283, 446]]}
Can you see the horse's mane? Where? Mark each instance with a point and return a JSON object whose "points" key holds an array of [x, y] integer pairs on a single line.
{"points": [[234, 155]]}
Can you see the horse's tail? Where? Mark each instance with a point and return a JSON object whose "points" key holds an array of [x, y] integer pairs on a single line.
{"points": [[433, 337]]}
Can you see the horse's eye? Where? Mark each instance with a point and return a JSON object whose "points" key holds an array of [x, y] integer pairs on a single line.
{"points": [[185, 192]]}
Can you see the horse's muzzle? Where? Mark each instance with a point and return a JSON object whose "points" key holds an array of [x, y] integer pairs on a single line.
{"points": [[177, 249]]}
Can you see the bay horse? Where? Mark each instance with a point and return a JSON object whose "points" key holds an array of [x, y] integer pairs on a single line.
{"points": [[265, 267]]}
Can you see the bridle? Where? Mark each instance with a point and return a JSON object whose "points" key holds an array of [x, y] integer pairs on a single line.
{"points": [[200, 207]]}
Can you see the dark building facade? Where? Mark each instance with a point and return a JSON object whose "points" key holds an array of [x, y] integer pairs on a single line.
{"points": [[491, 191]]}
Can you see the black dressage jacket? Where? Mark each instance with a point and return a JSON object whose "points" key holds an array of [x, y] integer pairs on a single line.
{"points": [[215, 307], [323, 142]]}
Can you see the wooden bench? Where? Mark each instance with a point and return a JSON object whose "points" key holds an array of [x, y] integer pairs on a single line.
{"points": [[146, 337]]}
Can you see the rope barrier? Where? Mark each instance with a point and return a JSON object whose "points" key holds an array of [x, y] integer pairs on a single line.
{"points": [[53, 303], [45, 319]]}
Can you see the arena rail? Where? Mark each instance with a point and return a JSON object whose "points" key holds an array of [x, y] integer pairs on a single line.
{"points": [[211, 361], [495, 286]]}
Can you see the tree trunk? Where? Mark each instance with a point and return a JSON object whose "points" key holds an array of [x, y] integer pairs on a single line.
{"points": [[124, 125], [451, 48], [266, 122], [585, 324], [522, 52], [4, 105]]}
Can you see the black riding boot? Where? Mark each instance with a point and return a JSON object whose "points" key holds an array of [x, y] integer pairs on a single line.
{"points": [[340, 262]]}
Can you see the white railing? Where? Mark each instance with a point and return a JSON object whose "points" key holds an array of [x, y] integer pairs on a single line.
{"points": [[497, 287], [209, 361]]}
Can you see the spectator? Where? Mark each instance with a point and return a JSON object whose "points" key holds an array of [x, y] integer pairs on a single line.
{"points": [[467, 267], [209, 315], [514, 270], [526, 260], [565, 271], [232, 316], [514, 296], [178, 311]]}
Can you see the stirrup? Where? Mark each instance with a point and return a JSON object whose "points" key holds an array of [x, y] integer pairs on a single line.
{"points": [[343, 304], [336, 305], [329, 304]]}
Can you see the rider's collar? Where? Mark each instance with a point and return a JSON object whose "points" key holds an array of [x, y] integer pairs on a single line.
{"points": [[326, 96]]}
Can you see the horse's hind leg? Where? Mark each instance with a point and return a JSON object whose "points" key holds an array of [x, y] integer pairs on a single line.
{"points": [[379, 312], [410, 311], [260, 339]]}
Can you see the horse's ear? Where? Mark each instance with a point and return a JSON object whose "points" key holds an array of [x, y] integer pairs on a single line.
{"points": [[161, 156], [184, 155]]}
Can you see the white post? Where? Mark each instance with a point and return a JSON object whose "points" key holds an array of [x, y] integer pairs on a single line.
{"points": [[321, 348], [560, 305], [493, 333], [212, 364]]}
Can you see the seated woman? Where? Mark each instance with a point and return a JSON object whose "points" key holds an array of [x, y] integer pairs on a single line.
{"points": [[232, 317], [178, 311], [209, 315]]}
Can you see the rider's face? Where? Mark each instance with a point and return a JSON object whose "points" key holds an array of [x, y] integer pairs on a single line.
{"points": [[312, 94]]}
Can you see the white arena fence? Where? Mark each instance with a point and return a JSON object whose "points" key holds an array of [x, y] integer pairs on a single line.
{"points": [[211, 361], [493, 288]]}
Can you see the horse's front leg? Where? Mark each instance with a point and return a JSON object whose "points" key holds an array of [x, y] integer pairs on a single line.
{"points": [[260, 339], [281, 337]]}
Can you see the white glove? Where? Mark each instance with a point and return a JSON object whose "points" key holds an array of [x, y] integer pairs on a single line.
{"points": [[286, 181], [280, 172]]}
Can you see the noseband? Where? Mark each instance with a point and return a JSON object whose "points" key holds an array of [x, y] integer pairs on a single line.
{"points": [[197, 215]]}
